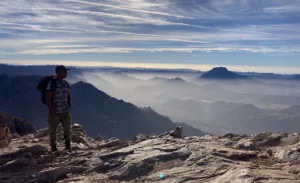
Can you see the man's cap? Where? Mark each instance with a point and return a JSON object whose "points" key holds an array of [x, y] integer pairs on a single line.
{"points": [[61, 68]]}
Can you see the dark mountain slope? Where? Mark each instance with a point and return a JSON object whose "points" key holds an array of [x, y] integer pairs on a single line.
{"points": [[19, 97], [111, 117]]}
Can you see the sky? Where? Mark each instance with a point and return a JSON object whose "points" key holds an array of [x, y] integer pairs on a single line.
{"points": [[262, 35]]}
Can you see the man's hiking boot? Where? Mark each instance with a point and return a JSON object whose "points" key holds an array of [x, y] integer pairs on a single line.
{"points": [[68, 146], [54, 148]]}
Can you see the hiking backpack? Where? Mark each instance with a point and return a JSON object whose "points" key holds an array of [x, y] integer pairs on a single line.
{"points": [[42, 86]]}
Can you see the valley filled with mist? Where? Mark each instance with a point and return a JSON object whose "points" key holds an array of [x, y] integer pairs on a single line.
{"points": [[217, 101]]}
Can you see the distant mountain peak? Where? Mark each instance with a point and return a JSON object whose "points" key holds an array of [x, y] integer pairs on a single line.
{"points": [[157, 79], [222, 73], [250, 106], [291, 110], [224, 69], [177, 80], [248, 109]]}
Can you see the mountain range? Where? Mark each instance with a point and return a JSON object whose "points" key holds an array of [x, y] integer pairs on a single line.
{"points": [[21, 70], [225, 117], [99, 113], [212, 105], [179, 88], [217, 72]]}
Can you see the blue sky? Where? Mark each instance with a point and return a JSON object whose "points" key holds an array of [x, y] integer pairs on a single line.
{"points": [[246, 33]]}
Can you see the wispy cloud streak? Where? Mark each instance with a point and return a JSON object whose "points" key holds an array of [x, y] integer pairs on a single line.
{"points": [[85, 49], [143, 20], [56, 27], [128, 9]]}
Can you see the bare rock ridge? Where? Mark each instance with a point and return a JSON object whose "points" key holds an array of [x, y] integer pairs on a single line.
{"points": [[169, 157]]}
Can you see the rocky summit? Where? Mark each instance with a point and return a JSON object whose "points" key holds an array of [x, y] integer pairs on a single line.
{"points": [[165, 158]]}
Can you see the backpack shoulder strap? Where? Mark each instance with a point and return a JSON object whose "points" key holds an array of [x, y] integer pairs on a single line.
{"points": [[53, 84]]}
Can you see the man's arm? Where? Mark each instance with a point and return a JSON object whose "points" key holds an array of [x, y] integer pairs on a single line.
{"points": [[49, 98], [69, 98]]}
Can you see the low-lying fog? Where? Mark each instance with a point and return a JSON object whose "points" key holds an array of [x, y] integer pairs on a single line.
{"points": [[216, 107]]}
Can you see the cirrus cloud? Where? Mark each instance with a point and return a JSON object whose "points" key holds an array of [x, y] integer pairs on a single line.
{"points": [[60, 27]]}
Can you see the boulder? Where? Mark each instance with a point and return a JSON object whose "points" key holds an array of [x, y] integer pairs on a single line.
{"points": [[41, 133], [80, 140], [16, 125], [53, 175], [245, 144], [268, 139], [287, 155], [98, 138], [110, 143], [236, 155], [140, 138], [177, 133], [77, 128], [17, 164], [269, 152]]}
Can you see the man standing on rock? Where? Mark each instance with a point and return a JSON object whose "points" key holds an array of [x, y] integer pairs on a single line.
{"points": [[58, 98]]}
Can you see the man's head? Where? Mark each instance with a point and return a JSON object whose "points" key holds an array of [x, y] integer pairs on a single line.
{"points": [[61, 71]]}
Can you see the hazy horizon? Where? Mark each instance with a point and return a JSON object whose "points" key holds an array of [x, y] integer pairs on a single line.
{"points": [[245, 106], [196, 67], [246, 103]]}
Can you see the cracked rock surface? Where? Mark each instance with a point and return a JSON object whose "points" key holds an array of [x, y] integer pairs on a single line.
{"points": [[265, 157]]}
